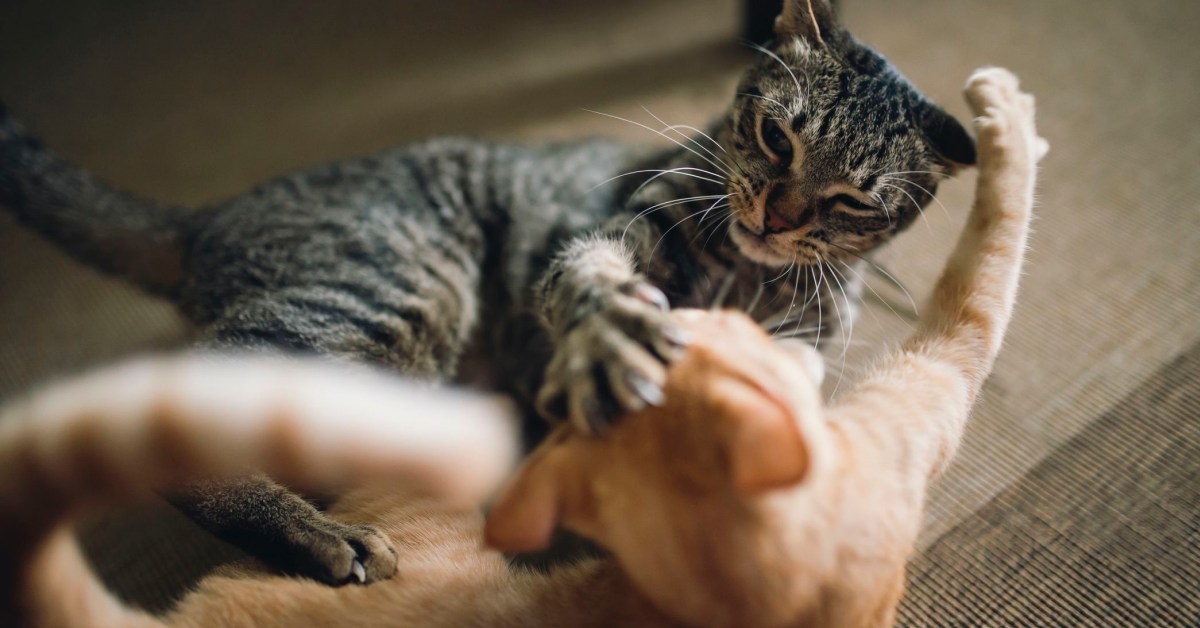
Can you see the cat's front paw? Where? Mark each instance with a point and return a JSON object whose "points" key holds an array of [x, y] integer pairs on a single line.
{"points": [[612, 360], [1004, 118]]}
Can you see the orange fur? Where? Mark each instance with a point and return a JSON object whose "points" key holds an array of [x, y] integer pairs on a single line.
{"points": [[743, 501]]}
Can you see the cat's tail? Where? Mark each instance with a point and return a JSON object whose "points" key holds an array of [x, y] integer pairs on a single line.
{"points": [[157, 423], [108, 228]]}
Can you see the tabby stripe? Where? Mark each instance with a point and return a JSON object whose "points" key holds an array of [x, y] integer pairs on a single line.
{"points": [[369, 299], [384, 333], [426, 190], [274, 338]]}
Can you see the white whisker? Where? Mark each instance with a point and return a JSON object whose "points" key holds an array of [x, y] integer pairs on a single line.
{"points": [[791, 305], [820, 312], [661, 173], [758, 292], [787, 67], [717, 204], [862, 280], [916, 205], [799, 331], [885, 273], [664, 135], [664, 204], [723, 292], [887, 211], [788, 270], [717, 228], [846, 323], [664, 234], [930, 172], [675, 129], [770, 100], [932, 196]]}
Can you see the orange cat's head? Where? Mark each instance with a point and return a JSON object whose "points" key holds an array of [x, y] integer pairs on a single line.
{"points": [[681, 493]]}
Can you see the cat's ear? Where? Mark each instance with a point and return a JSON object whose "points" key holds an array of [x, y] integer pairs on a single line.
{"points": [[524, 517], [810, 20], [946, 135], [767, 449]]}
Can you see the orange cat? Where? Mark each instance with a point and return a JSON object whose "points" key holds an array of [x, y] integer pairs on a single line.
{"points": [[743, 501]]}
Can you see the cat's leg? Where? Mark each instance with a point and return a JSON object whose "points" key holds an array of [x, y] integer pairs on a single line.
{"points": [[609, 325], [929, 385], [278, 526], [972, 301]]}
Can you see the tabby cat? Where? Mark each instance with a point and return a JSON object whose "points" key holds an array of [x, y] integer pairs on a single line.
{"points": [[742, 501], [395, 259]]}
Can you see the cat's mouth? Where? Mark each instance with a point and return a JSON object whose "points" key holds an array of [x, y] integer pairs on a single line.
{"points": [[763, 249]]}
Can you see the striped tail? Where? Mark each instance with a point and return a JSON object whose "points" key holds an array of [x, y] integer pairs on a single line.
{"points": [[107, 228], [161, 422]]}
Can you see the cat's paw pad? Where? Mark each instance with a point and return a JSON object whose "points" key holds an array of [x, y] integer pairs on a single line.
{"points": [[337, 553], [612, 361]]}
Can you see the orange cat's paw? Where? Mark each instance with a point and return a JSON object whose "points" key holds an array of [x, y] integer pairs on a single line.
{"points": [[1004, 118]]}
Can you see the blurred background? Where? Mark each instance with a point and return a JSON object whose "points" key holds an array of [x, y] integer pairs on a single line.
{"points": [[1077, 495]]}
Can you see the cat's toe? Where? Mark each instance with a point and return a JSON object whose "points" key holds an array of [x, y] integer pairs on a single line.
{"points": [[1005, 117], [991, 87], [597, 375], [612, 363], [374, 554], [337, 553]]}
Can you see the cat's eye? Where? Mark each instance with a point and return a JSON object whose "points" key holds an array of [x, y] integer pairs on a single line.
{"points": [[775, 140], [851, 202]]}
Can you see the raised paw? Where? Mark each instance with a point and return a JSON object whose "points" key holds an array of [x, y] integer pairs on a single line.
{"points": [[612, 360], [337, 553], [1004, 117]]}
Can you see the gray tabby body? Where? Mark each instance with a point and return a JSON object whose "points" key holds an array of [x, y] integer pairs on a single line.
{"points": [[545, 263]]}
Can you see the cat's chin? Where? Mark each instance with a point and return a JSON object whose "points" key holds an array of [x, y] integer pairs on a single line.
{"points": [[756, 248]]}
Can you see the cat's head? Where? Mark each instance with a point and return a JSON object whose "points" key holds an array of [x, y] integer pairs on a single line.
{"points": [[681, 493], [832, 150]]}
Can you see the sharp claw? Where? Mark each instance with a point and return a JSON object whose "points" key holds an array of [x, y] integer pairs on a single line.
{"points": [[357, 570], [653, 296], [649, 391], [677, 337]]}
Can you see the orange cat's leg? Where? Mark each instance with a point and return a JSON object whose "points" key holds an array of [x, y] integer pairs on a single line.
{"points": [[973, 300], [927, 388]]}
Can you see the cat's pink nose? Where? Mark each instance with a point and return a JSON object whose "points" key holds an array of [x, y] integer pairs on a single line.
{"points": [[775, 221]]}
